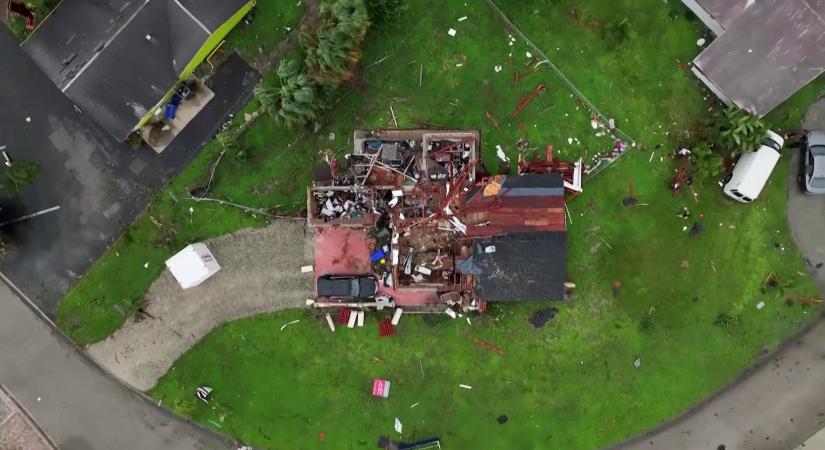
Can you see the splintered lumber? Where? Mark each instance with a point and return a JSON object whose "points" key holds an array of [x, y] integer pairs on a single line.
{"points": [[493, 120], [806, 299], [528, 98], [488, 346]]}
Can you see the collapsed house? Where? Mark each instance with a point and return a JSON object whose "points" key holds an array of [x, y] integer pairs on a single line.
{"points": [[416, 210]]}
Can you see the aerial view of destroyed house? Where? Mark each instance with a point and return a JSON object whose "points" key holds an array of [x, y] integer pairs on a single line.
{"points": [[412, 224]]}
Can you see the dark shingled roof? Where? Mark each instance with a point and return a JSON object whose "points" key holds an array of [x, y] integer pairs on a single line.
{"points": [[524, 267], [116, 59], [772, 50]]}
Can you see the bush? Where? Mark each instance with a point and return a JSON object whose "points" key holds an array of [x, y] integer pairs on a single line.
{"points": [[618, 32], [383, 12], [725, 320], [20, 175], [739, 131], [708, 163], [297, 101]]}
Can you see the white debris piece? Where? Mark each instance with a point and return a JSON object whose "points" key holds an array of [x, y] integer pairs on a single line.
{"points": [[398, 425], [700, 42], [528, 54], [289, 323], [28, 119], [451, 32], [465, 386], [760, 305], [396, 316], [330, 322], [501, 155], [450, 313], [490, 249], [310, 302], [193, 265], [360, 318], [146, 265], [353, 316], [497, 68], [462, 19], [332, 136], [570, 141], [307, 269], [594, 123]]}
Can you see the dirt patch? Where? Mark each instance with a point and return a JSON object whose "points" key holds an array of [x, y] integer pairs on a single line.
{"points": [[260, 273]]}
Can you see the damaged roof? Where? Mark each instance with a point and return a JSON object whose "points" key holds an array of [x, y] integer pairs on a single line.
{"points": [[529, 202], [774, 48], [523, 267], [116, 59]]}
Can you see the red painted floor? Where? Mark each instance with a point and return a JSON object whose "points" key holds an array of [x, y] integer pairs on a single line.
{"points": [[346, 251]]}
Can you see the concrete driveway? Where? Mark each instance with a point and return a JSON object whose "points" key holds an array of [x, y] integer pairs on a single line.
{"points": [[76, 404], [780, 402]]}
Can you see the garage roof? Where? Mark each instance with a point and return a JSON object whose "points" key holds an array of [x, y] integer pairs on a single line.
{"points": [[772, 50]]}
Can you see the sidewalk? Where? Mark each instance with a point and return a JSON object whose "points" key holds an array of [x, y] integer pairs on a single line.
{"points": [[74, 402]]}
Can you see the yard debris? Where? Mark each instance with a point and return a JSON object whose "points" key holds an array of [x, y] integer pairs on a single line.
{"points": [[398, 426], [380, 388], [542, 316], [488, 346], [807, 299], [396, 316], [307, 269], [414, 405], [617, 287], [696, 229], [631, 199], [637, 362], [465, 386], [760, 305], [527, 99], [462, 19], [203, 393], [330, 322], [452, 32], [685, 264], [289, 323], [385, 328]]}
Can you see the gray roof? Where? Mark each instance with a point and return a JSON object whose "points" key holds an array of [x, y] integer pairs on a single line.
{"points": [[524, 267], [725, 11], [772, 50], [117, 58]]}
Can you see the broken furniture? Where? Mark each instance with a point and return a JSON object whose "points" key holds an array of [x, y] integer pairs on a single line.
{"points": [[193, 265]]}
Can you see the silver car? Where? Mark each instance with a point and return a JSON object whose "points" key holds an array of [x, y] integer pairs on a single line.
{"points": [[814, 162]]}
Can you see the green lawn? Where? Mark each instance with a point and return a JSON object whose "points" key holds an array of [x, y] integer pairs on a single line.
{"points": [[570, 385], [273, 20]]}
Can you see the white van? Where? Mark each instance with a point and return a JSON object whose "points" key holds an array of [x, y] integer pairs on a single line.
{"points": [[753, 169]]}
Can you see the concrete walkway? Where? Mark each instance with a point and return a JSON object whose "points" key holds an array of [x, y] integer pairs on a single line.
{"points": [[75, 403], [780, 402]]}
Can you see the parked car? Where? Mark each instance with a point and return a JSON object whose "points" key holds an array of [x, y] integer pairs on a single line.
{"points": [[752, 170], [348, 287], [813, 153]]}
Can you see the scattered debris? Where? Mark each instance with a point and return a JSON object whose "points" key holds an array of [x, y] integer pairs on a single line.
{"points": [[451, 32], [307, 269], [203, 393], [760, 305], [465, 386], [542, 316], [289, 323], [385, 327], [489, 346], [330, 322], [810, 300], [380, 388], [398, 426], [414, 405], [637, 362]]}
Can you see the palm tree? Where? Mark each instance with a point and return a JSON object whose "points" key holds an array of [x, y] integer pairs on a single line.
{"points": [[333, 51]]}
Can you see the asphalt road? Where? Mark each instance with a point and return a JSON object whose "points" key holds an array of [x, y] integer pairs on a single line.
{"points": [[77, 405], [100, 185], [780, 402]]}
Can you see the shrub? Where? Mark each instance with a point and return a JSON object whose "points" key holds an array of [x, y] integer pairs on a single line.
{"points": [[20, 175], [707, 162], [739, 131], [297, 101], [725, 320], [618, 32], [382, 12]]}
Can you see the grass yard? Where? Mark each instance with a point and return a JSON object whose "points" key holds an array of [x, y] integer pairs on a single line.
{"points": [[274, 19], [569, 385]]}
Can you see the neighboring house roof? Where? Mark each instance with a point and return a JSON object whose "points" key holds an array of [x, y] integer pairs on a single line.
{"points": [[523, 267], [772, 50], [530, 202], [116, 59], [718, 14]]}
